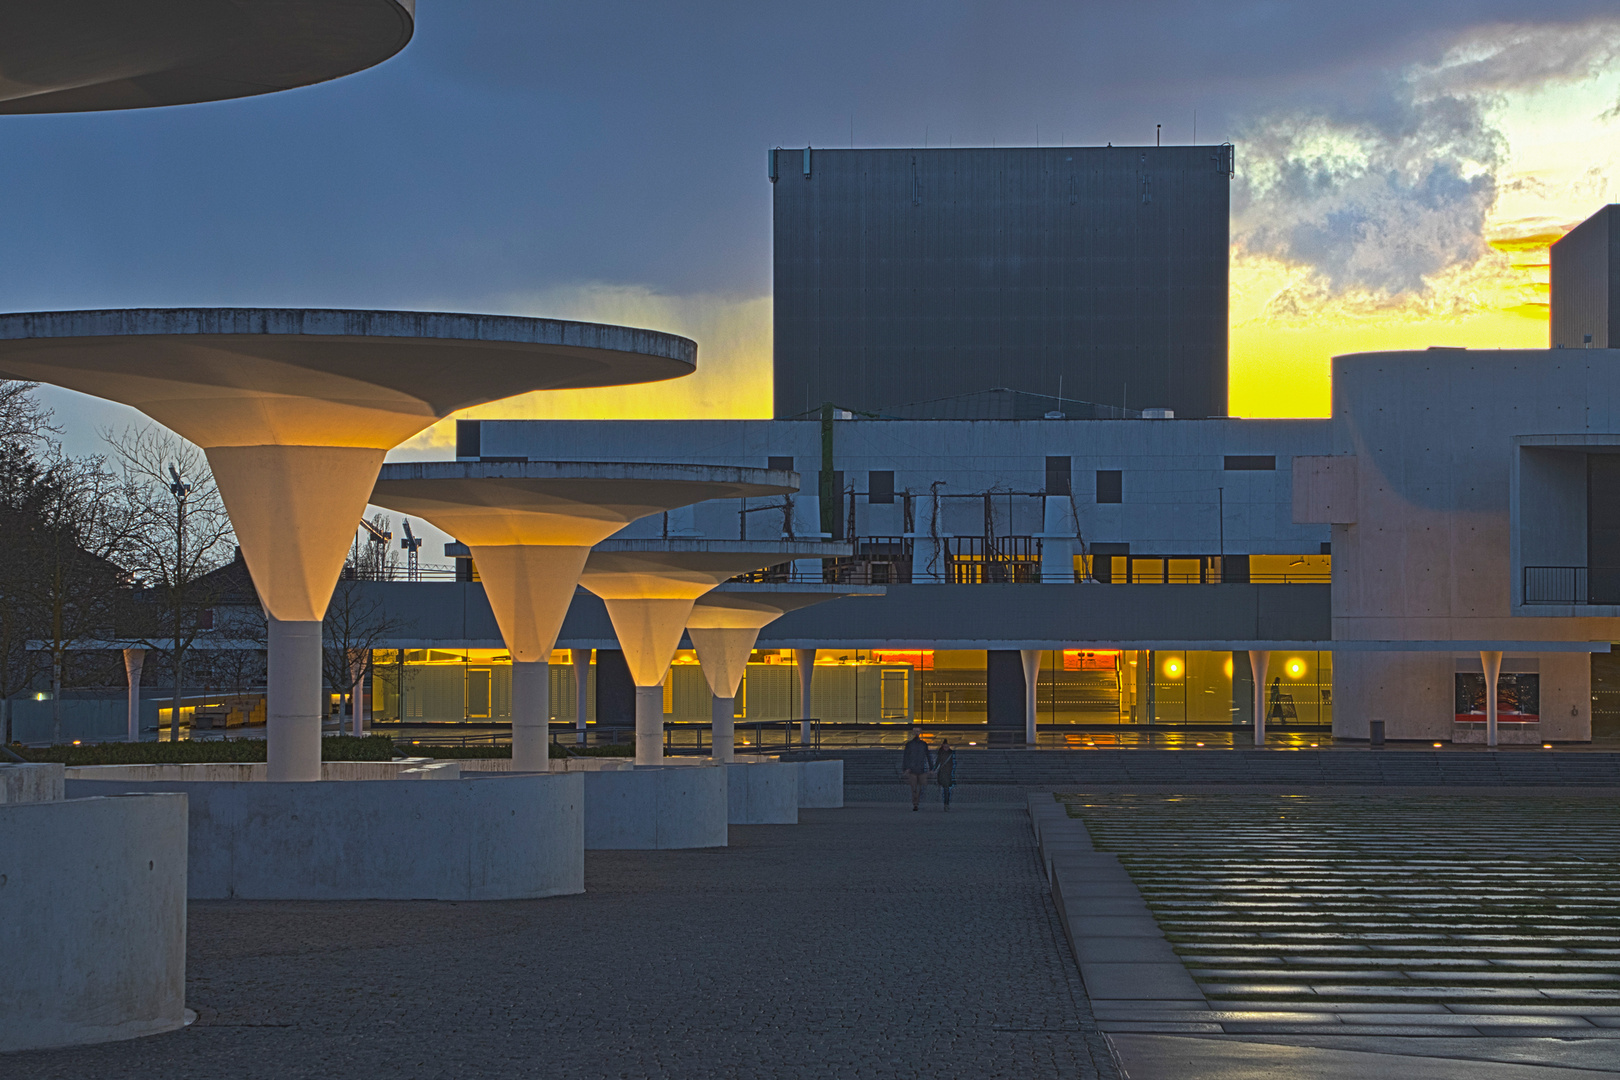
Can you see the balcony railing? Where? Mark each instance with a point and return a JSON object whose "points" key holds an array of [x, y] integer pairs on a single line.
{"points": [[1569, 585]]}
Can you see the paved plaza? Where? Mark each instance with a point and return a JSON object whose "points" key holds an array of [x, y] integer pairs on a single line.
{"points": [[868, 941]]}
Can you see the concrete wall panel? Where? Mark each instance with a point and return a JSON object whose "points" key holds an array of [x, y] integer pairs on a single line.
{"points": [[821, 784], [497, 838], [762, 793], [656, 807]]}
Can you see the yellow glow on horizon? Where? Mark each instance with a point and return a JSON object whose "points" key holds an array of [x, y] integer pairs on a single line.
{"points": [[1562, 152]]}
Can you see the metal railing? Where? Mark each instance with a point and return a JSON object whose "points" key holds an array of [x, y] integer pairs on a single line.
{"points": [[750, 736], [1571, 585]]}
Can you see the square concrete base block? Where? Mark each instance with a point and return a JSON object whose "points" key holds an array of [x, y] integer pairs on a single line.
{"points": [[496, 838], [92, 920], [821, 784], [762, 793], [656, 806]]}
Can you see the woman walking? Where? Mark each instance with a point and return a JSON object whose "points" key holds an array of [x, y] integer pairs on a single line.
{"points": [[945, 771]]}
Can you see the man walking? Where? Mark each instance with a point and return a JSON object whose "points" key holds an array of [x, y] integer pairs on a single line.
{"points": [[915, 761]]}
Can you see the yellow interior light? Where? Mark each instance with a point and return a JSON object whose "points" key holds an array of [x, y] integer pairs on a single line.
{"points": [[1437, 746], [1296, 667], [1172, 669]]}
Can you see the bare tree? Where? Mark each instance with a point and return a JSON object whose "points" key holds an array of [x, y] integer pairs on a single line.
{"points": [[83, 527], [26, 431], [356, 625], [185, 536]]}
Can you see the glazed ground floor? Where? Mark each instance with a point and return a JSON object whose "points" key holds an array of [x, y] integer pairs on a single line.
{"points": [[1074, 687]]}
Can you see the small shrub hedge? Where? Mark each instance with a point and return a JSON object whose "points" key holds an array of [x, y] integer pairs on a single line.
{"points": [[333, 748], [505, 751]]}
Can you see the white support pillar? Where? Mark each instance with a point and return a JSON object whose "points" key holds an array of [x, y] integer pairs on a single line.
{"points": [[805, 661], [1492, 663], [1032, 676], [531, 711], [293, 723], [357, 697], [134, 659], [1259, 664], [723, 727], [582, 672], [649, 725]]}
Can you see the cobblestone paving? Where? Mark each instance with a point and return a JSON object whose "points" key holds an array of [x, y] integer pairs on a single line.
{"points": [[1495, 909], [864, 942]]}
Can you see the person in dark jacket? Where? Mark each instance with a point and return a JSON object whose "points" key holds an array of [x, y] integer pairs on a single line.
{"points": [[945, 771], [915, 762]]}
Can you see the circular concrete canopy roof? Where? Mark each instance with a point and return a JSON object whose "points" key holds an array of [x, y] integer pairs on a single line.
{"points": [[291, 377], [558, 503], [91, 55], [658, 569]]}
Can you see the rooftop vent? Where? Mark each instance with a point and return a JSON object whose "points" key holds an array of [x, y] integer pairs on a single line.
{"points": [[1158, 414]]}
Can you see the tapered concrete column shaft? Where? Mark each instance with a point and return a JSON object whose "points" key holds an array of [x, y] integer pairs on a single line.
{"points": [[723, 728], [294, 509], [1492, 663], [1259, 663], [805, 661], [723, 653], [531, 712], [582, 671], [134, 659], [529, 587], [294, 713], [1032, 675], [649, 724], [649, 632]]}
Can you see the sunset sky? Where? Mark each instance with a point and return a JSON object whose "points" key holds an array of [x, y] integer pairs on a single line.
{"points": [[1401, 169]]}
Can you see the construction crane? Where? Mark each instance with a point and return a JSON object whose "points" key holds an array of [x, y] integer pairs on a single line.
{"points": [[412, 544], [378, 536]]}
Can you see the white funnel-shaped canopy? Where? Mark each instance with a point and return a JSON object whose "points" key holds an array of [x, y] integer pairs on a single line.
{"points": [[297, 408], [724, 624], [530, 525], [90, 55], [649, 588]]}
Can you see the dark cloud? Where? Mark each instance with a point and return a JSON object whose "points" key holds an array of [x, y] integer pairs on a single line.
{"points": [[517, 146]]}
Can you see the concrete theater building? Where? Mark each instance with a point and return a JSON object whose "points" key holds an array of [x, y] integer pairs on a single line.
{"points": [[1099, 569]]}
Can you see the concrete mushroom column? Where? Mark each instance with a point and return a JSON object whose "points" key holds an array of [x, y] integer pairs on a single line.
{"points": [[724, 627], [530, 527], [295, 410], [649, 588]]}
